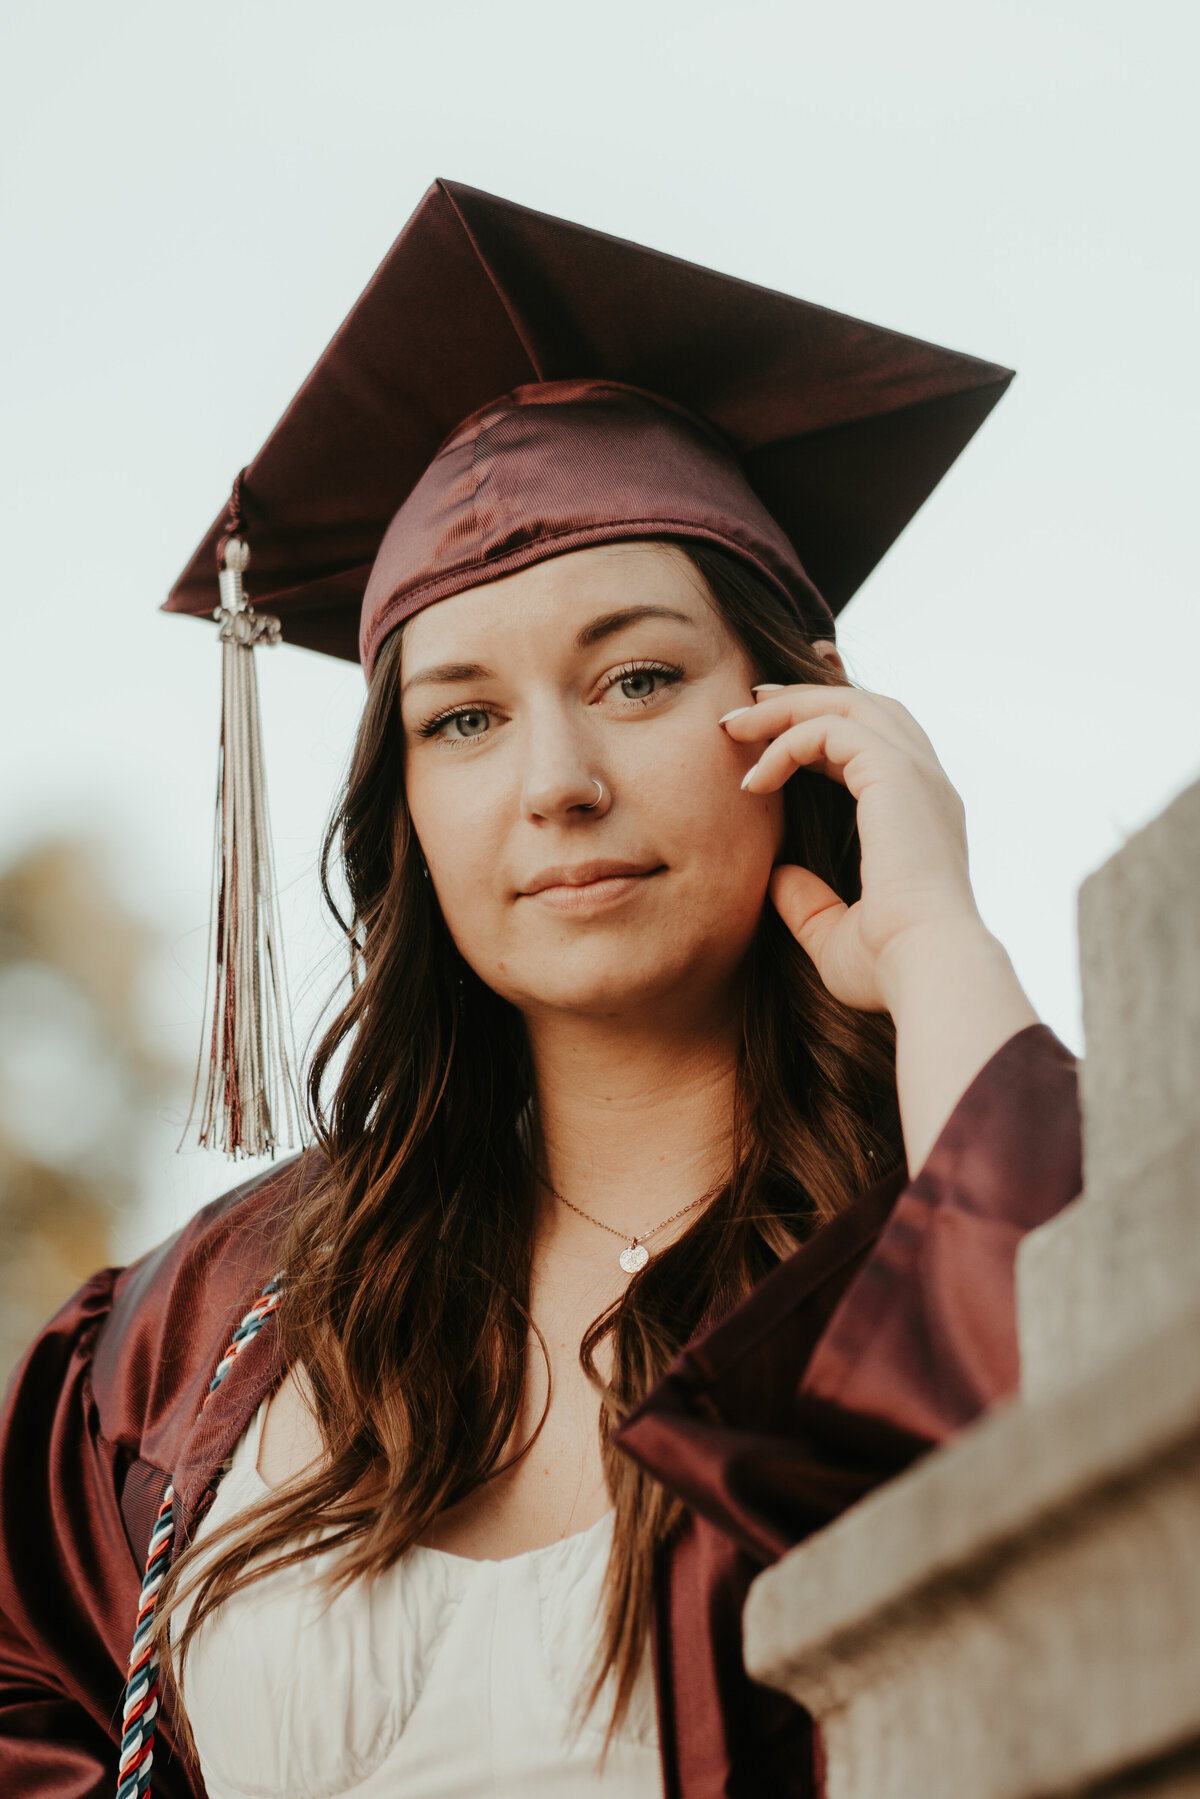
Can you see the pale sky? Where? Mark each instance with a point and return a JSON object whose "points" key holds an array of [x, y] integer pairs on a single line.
{"points": [[194, 197]]}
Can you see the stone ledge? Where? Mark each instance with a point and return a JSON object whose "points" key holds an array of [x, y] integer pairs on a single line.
{"points": [[1123, 1260], [1111, 1268], [1017, 1615], [1139, 949]]}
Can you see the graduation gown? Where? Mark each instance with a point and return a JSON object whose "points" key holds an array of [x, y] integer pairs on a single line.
{"points": [[890, 1329]]}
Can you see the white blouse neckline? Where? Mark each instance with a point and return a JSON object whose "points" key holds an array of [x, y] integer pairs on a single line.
{"points": [[446, 1677]]}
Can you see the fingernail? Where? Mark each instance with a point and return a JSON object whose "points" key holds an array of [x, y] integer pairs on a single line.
{"points": [[768, 687], [747, 775], [734, 714]]}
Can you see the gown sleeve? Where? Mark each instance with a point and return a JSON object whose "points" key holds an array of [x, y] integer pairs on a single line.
{"points": [[894, 1326], [99, 1416], [55, 1499], [69, 1576]]}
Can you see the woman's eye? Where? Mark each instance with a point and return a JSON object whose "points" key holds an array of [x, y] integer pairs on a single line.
{"points": [[457, 727], [638, 685], [470, 724]]}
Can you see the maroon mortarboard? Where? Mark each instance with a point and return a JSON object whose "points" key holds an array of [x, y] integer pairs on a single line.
{"points": [[840, 429], [510, 387]]}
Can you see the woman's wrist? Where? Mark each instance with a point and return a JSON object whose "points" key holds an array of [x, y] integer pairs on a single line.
{"points": [[955, 999], [953, 953]]}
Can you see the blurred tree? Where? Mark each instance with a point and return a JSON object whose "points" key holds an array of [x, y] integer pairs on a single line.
{"points": [[79, 1079]]}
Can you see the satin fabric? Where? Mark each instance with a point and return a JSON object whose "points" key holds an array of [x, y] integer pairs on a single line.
{"points": [[563, 465], [892, 1328]]}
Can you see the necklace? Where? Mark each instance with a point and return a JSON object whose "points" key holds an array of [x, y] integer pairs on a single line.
{"points": [[635, 1255]]}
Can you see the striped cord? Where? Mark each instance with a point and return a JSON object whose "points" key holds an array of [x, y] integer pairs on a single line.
{"points": [[141, 1691]]}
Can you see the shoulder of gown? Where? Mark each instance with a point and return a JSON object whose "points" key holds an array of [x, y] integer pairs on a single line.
{"points": [[94, 1418]]}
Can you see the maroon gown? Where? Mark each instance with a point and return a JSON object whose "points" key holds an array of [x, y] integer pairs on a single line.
{"points": [[890, 1329]]}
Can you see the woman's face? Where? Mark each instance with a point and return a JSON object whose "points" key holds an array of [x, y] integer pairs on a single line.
{"points": [[613, 665]]}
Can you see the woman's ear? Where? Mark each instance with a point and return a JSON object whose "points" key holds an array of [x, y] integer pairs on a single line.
{"points": [[828, 651]]}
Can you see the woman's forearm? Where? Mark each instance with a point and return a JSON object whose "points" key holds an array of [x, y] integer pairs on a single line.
{"points": [[955, 999]]}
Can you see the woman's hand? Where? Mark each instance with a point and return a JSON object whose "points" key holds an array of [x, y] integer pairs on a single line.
{"points": [[910, 822], [914, 944]]}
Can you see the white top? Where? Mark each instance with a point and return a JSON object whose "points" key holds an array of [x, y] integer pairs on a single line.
{"points": [[444, 1678]]}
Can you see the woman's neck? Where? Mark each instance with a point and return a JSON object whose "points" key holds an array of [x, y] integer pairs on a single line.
{"points": [[634, 1122]]}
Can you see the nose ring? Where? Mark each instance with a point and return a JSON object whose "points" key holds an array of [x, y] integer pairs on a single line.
{"points": [[599, 786]]}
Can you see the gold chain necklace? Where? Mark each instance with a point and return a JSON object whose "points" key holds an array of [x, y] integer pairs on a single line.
{"points": [[635, 1255]]}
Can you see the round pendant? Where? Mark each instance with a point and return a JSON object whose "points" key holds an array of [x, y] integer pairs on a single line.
{"points": [[634, 1258]]}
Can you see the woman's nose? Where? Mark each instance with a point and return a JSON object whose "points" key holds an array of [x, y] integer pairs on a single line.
{"points": [[561, 777]]}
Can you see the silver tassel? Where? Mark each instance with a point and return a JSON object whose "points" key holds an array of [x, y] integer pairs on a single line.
{"points": [[244, 1073]]}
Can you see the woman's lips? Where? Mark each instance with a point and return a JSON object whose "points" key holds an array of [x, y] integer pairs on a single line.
{"points": [[591, 896]]}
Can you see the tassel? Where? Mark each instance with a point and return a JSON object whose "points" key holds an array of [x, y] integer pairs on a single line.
{"points": [[244, 1073]]}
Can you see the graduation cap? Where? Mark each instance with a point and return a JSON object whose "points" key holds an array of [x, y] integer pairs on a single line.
{"points": [[510, 387]]}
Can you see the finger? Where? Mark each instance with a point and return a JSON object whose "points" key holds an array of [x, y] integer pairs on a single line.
{"points": [[809, 908], [826, 746], [774, 709]]}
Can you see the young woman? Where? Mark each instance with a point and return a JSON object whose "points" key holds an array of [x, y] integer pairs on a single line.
{"points": [[672, 1150]]}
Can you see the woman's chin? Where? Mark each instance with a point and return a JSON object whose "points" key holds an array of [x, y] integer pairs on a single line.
{"points": [[604, 989]]}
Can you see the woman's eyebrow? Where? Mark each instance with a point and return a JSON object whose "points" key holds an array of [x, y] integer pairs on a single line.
{"points": [[604, 626], [608, 622], [446, 672]]}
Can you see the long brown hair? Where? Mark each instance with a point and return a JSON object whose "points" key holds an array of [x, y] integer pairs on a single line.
{"points": [[407, 1262]]}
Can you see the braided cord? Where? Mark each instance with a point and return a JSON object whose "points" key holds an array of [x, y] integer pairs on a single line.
{"points": [[140, 1708], [249, 1328]]}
